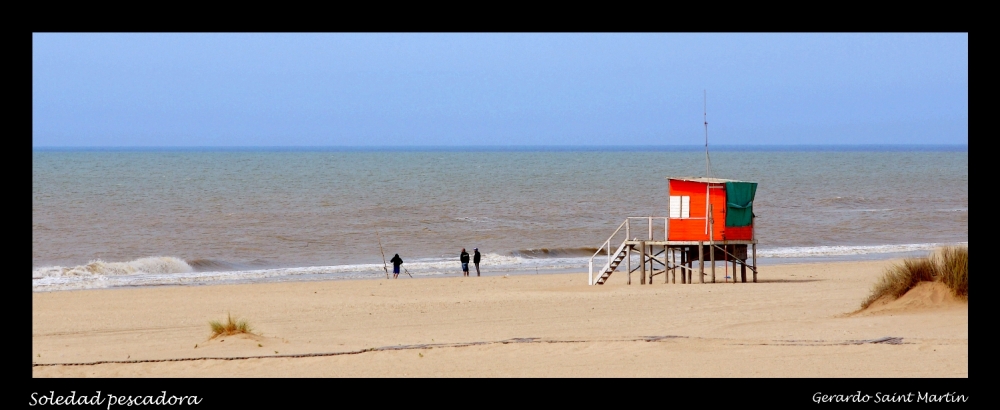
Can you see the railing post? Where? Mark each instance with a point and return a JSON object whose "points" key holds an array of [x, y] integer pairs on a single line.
{"points": [[609, 251], [651, 228], [590, 277], [628, 233]]}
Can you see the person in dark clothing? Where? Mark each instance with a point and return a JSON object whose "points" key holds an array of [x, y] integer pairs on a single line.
{"points": [[475, 259], [464, 257], [396, 261]]}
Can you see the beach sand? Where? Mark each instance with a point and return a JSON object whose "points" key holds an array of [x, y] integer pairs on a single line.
{"points": [[798, 321]]}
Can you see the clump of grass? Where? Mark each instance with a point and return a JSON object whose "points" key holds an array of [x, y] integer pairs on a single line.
{"points": [[954, 265], [949, 265], [229, 327]]}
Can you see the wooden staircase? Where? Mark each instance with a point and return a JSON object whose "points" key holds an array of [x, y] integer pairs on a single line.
{"points": [[616, 258], [610, 267]]}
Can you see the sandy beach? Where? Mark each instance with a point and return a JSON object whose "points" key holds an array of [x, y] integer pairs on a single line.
{"points": [[798, 321]]}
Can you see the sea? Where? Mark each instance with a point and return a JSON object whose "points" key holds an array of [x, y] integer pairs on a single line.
{"points": [[126, 217]]}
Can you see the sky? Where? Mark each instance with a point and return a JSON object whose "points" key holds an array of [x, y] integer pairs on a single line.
{"points": [[497, 89]]}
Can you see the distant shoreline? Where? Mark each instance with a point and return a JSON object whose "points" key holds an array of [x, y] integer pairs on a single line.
{"points": [[721, 269], [529, 148]]}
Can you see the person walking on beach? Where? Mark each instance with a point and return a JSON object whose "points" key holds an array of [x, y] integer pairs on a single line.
{"points": [[464, 257], [475, 259], [396, 261]]}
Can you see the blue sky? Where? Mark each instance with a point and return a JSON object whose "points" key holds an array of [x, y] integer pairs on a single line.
{"points": [[486, 89]]}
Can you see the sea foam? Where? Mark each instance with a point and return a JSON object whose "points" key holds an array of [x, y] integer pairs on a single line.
{"points": [[166, 270]]}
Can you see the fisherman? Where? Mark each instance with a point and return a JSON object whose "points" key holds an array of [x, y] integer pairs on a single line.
{"points": [[464, 257], [396, 261], [475, 260]]}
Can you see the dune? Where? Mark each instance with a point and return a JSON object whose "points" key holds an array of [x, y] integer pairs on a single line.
{"points": [[925, 296]]}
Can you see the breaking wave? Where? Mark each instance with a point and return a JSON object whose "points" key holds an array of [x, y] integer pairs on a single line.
{"points": [[210, 264], [554, 252], [823, 251], [165, 270], [153, 265], [159, 271]]}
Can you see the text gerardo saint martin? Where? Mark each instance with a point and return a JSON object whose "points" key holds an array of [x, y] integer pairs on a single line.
{"points": [[880, 397]]}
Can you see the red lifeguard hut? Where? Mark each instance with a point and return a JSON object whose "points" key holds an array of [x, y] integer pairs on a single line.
{"points": [[693, 198], [707, 217]]}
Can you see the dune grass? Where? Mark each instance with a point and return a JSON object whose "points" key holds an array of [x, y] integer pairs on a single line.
{"points": [[229, 327], [949, 265], [954, 271]]}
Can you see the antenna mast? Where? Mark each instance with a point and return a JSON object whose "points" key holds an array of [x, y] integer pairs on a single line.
{"points": [[708, 162]]}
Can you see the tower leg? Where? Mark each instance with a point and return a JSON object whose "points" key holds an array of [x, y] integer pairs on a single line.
{"points": [[666, 263], [701, 262], [673, 274], [642, 263], [684, 261], [628, 256]]}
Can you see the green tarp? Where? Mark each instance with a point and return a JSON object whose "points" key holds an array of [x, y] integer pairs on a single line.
{"points": [[739, 203]]}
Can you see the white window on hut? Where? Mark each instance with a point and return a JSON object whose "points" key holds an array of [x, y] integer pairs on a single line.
{"points": [[680, 206]]}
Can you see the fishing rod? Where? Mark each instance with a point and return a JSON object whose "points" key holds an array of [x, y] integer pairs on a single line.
{"points": [[385, 266]]}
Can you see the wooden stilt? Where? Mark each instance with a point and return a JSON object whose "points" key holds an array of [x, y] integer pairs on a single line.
{"points": [[652, 265], [743, 271], [701, 262], [642, 263], [628, 249], [735, 266], [628, 256], [727, 265], [668, 257], [666, 262], [648, 250], [711, 256], [690, 271], [684, 275], [673, 262], [734, 270], [673, 277], [754, 246]]}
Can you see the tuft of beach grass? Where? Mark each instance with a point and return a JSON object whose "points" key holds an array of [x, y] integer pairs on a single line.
{"points": [[229, 327], [954, 269], [949, 265]]}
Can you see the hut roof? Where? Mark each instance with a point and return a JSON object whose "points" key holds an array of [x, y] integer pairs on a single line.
{"points": [[707, 180]]}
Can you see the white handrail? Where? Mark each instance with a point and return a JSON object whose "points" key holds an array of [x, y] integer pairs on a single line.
{"points": [[609, 239], [606, 266], [606, 245]]}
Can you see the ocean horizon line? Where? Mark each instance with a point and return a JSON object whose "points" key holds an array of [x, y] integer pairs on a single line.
{"points": [[521, 148]]}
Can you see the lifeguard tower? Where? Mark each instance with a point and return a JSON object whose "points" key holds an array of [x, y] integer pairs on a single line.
{"points": [[707, 218]]}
